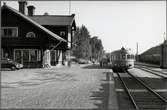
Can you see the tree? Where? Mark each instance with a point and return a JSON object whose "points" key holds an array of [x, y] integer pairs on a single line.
{"points": [[87, 47], [82, 39], [96, 48]]}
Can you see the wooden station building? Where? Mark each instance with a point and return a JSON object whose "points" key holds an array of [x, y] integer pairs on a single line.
{"points": [[35, 40]]}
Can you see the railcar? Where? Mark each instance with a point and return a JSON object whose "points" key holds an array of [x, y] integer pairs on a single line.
{"points": [[122, 59]]}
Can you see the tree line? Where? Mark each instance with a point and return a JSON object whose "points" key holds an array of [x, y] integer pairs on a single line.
{"points": [[86, 47]]}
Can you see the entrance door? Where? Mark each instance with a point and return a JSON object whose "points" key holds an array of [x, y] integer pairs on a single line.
{"points": [[18, 56], [26, 56]]}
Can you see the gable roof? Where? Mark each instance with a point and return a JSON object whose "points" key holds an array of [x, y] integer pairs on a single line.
{"points": [[153, 51], [60, 20], [54, 36]]}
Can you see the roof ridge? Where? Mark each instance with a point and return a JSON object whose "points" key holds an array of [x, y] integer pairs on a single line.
{"points": [[52, 15], [35, 23]]}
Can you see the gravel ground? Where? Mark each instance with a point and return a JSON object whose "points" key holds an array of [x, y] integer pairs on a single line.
{"points": [[64, 87]]}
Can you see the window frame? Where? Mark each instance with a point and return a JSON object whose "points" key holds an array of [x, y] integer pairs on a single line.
{"points": [[62, 33], [9, 28], [38, 58], [31, 32]]}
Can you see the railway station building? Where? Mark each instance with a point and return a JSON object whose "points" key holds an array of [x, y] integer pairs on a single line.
{"points": [[35, 40]]}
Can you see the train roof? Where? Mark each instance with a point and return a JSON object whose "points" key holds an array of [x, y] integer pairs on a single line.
{"points": [[123, 50]]}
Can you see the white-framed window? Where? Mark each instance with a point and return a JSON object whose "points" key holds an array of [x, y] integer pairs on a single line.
{"points": [[9, 31], [27, 55], [30, 35]]}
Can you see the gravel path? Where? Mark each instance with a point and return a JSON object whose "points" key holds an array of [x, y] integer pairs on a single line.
{"points": [[72, 88]]}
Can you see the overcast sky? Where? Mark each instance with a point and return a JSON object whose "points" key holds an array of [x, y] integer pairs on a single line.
{"points": [[116, 23]]}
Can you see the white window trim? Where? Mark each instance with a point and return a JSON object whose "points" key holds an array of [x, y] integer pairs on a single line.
{"points": [[29, 53], [10, 28]]}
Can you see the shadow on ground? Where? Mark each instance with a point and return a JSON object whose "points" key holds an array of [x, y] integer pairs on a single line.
{"points": [[96, 66], [101, 96]]}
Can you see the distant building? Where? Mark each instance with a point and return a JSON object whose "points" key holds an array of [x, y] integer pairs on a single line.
{"points": [[35, 40], [152, 55], [155, 55], [164, 55]]}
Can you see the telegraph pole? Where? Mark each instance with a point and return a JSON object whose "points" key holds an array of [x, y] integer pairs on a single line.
{"points": [[137, 52], [165, 38], [69, 7]]}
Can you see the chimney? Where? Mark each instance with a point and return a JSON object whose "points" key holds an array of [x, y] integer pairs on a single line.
{"points": [[22, 6], [31, 10]]}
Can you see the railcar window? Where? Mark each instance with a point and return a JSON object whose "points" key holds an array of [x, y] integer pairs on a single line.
{"points": [[123, 56], [132, 56]]}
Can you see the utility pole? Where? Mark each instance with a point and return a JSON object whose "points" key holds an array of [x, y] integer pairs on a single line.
{"points": [[137, 52], [165, 37], [69, 7]]}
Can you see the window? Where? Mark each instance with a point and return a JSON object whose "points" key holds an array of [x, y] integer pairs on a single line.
{"points": [[9, 32], [33, 55], [128, 56], [123, 57], [27, 55], [132, 57], [30, 35], [62, 33]]}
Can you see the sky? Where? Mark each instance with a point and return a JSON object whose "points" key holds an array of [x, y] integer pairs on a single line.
{"points": [[116, 23]]}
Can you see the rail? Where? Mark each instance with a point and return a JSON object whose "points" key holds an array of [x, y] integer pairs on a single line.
{"points": [[163, 75], [131, 97], [148, 88], [127, 90]]}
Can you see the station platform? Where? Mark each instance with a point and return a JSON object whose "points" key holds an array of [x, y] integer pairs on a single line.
{"points": [[112, 102], [153, 66], [146, 64]]}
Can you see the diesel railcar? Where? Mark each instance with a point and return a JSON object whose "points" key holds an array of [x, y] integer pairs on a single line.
{"points": [[122, 59]]}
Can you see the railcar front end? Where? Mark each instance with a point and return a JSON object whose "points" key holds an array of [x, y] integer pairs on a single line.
{"points": [[122, 60]]}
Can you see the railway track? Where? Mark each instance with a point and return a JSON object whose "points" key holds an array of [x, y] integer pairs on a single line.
{"points": [[155, 72], [147, 100]]}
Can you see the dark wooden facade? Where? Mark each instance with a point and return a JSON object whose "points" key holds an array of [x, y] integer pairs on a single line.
{"points": [[22, 46]]}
